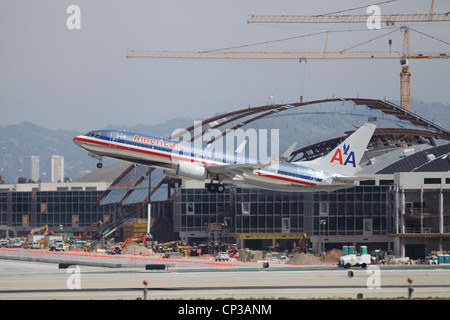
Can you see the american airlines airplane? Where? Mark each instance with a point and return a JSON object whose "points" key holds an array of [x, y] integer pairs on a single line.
{"points": [[336, 170]]}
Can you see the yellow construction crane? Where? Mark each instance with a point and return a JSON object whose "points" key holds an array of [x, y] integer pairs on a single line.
{"points": [[404, 56], [388, 19]]}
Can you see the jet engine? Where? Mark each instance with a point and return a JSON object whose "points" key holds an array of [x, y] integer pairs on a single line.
{"points": [[187, 170]]}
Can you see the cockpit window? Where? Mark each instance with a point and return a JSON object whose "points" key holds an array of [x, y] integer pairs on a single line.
{"points": [[92, 134]]}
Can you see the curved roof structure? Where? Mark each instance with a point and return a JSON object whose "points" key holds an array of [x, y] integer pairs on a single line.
{"points": [[315, 122], [316, 126]]}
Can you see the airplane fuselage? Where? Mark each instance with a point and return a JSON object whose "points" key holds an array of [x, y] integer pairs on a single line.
{"points": [[189, 160]]}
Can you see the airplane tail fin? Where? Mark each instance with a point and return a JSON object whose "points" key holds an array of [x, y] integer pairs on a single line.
{"points": [[344, 159]]}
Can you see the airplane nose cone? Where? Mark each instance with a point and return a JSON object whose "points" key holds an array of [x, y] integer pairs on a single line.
{"points": [[78, 141]]}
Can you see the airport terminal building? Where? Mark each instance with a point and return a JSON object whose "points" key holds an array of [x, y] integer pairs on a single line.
{"points": [[403, 203]]}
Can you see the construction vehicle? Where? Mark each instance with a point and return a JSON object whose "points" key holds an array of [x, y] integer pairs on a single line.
{"points": [[173, 246], [52, 242], [166, 246], [36, 245], [36, 236], [184, 248], [142, 239], [355, 260], [38, 229], [56, 245], [222, 256], [303, 244], [431, 259], [36, 242], [97, 224], [118, 248], [114, 250]]}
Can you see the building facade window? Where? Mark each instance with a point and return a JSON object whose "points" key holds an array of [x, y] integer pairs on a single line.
{"points": [[432, 180], [358, 211], [70, 209]]}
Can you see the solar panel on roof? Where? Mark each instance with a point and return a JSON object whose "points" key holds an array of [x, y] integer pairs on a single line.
{"points": [[160, 194], [137, 196], [137, 192], [114, 196], [417, 160], [133, 176]]}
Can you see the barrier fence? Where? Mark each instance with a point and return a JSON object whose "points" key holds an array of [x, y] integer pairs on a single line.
{"points": [[58, 256]]}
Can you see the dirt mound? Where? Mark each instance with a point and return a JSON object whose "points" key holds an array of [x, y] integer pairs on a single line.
{"points": [[332, 256], [134, 248], [305, 259]]}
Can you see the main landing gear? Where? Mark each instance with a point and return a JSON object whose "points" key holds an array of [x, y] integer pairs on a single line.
{"points": [[215, 187], [99, 165]]}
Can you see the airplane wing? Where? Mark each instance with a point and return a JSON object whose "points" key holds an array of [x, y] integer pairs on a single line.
{"points": [[233, 168]]}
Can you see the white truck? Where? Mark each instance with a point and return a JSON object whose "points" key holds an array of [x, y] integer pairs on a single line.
{"points": [[56, 245], [431, 259], [355, 260]]}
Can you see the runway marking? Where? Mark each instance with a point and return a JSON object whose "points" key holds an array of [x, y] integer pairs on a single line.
{"points": [[306, 287]]}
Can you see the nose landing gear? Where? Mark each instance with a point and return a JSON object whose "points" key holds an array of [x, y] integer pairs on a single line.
{"points": [[99, 158]]}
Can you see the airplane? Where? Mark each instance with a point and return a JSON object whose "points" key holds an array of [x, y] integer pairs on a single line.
{"points": [[335, 170]]}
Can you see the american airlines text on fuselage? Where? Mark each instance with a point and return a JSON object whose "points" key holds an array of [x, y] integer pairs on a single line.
{"points": [[159, 142], [136, 138]]}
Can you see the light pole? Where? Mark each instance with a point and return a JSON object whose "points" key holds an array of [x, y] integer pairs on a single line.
{"points": [[149, 204], [322, 222]]}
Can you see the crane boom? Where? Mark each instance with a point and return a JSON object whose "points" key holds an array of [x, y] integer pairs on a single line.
{"points": [[217, 55], [262, 55], [388, 19]]}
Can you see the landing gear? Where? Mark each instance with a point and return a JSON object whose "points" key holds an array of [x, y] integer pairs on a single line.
{"points": [[215, 187], [98, 157]]}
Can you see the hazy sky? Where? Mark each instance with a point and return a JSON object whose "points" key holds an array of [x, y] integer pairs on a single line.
{"points": [[81, 79]]}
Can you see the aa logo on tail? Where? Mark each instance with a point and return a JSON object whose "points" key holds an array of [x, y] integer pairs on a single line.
{"points": [[349, 156]]}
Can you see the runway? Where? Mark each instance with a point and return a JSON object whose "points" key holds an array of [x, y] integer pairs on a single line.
{"points": [[24, 280]]}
